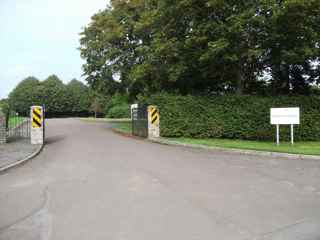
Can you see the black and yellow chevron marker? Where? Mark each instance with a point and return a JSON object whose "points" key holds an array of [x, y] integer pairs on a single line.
{"points": [[154, 115], [37, 117]]}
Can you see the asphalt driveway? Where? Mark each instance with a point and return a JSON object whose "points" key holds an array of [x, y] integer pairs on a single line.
{"points": [[92, 184]]}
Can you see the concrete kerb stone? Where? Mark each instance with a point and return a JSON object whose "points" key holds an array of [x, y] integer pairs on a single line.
{"points": [[20, 162]]}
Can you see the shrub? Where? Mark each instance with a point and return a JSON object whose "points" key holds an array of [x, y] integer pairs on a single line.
{"points": [[118, 107], [233, 117], [119, 111]]}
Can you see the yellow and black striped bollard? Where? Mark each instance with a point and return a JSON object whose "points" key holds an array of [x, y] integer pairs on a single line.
{"points": [[154, 116], [153, 122], [37, 117]]}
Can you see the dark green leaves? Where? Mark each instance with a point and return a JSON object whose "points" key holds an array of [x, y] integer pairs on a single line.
{"points": [[216, 46]]}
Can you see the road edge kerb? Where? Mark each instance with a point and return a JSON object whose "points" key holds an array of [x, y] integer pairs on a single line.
{"points": [[239, 151], [20, 162], [228, 150], [128, 135]]}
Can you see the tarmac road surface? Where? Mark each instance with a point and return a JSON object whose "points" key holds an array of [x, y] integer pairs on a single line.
{"points": [[90, 184]]}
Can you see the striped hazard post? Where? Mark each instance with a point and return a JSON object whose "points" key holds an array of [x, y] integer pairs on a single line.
{"points": [[153, 122], [154, 115], [37, 125], [37, 117]]}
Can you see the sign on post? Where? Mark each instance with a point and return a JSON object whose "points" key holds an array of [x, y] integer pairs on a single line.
{"points": [[285, 116]]}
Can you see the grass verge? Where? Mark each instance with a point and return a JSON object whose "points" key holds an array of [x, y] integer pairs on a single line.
{"points": [[124, 127], [305, 148], [15, 121]]}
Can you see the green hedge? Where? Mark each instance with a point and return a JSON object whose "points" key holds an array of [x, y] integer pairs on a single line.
{"points": [[233, 117]]}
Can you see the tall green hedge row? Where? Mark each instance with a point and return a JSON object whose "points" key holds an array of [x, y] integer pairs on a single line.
{"points": [[233, 117]]}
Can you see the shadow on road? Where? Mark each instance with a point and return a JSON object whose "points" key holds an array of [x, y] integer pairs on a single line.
{"points": [[54, 139]]}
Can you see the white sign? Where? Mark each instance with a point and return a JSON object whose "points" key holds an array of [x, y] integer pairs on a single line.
{"points": [[133, 106], [285, 116]]}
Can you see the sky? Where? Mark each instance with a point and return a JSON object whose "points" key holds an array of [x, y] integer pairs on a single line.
{"points": [[40, 38]]}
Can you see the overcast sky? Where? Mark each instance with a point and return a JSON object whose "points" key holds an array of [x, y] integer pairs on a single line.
{"points": [[40, 37]]}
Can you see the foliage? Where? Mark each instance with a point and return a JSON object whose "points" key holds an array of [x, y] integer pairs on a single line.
{"points": [[53, 95], [119, 111], [118, 107], [191, 46], [233, 117], [59, 99], [97, 105], [78, 95], [25, 95], [4, 106]]}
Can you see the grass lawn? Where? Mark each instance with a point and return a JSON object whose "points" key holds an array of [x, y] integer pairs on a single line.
{"points": [[15, 121], [307, 148], [124, 127]]}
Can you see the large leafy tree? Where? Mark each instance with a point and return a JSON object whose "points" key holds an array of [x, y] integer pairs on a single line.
{"points": [[24, 95], [53, 95], [292, 43], [58, 98], [78, 96], [208, 45], [110, 45], [203, 45]]}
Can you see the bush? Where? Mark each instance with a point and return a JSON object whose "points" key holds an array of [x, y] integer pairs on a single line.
{"points": [[119, 111], [118, 107], [4, 106], [233, 117]]}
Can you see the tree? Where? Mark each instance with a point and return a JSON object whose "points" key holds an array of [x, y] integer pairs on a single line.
{"points": [[109, 45], [292, 43], [52, 93], [59, 99], [210, 46], [24, 95], [97, 106], [4, 106], [78, 95]]}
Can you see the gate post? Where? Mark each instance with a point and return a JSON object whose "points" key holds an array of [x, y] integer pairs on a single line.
{"points": [[37, 125], [3, 130], [153, 122]]}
